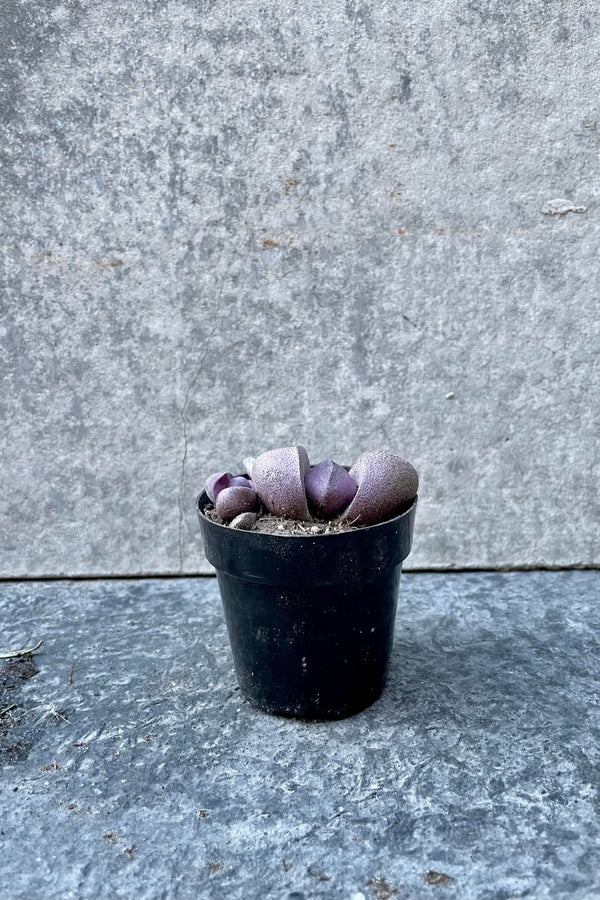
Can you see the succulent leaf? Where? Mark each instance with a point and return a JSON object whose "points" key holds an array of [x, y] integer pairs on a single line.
{"points": [[231, 501], [329, 488], [240, 481], [278, 478], [385, 482], [215, 483]]}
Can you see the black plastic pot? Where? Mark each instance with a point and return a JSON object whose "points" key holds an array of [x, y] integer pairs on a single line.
{"points": [[310, 619]]}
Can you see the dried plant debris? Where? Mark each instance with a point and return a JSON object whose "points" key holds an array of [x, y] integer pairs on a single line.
{"points": [[320, 876], [12, 674], [433, 878], [14, 654], [382, 889], [49, 712]]}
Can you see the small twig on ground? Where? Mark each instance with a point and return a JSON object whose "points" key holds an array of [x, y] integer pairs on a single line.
{"points": [[145, 724], [71, 672], [15, 653], [8, 709]]}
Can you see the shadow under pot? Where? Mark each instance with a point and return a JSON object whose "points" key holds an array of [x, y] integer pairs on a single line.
{"points": [[310, 618]]}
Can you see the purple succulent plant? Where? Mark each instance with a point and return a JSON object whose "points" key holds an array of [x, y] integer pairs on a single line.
{"points": [[329, 488], [375, 488], [385, 482], [278, 479]]}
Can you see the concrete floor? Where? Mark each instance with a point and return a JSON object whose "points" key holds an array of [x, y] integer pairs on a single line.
{"points": [[132, 767]]}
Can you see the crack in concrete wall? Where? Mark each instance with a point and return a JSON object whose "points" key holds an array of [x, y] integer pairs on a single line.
{"points": [[190, 388]]}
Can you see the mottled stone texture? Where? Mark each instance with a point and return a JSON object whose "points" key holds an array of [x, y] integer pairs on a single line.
{"points": [[135, 770], [229, 226]]}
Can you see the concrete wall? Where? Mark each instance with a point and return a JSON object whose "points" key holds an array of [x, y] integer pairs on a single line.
{"points": [[230, 226]]}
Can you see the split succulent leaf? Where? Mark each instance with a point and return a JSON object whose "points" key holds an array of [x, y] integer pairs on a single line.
{"points": [[385, 482], [278, 478], [329, 488]]}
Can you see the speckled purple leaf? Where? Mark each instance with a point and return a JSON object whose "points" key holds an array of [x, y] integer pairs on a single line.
{"points": [[329, 488], [232, 501], [240, 481], [385, 482], [216, 482], [278, 478]]}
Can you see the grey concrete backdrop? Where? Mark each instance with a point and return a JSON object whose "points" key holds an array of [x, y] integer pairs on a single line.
{"points": [[229, 226]]}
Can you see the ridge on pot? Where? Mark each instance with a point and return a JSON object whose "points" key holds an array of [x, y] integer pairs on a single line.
{"points": [[310, 617]]}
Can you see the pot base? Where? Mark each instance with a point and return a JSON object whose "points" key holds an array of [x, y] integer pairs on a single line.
{"points": [[318, 653], [344, 713]]}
